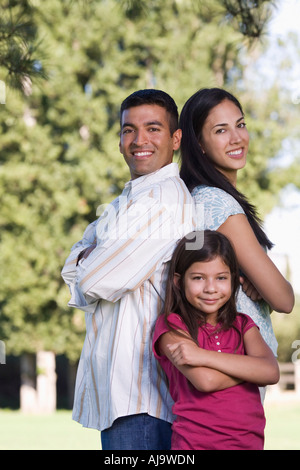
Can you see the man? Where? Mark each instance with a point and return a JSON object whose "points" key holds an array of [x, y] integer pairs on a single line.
{"points": [[117, 273]]}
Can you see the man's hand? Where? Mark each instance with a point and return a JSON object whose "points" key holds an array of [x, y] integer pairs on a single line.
{"points": [[85, 253]]}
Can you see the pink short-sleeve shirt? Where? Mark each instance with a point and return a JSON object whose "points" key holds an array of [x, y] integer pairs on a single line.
{"points": [[230, 419]]}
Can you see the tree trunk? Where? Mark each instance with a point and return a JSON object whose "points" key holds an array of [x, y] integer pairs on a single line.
{"points": [[38, 383], [46, 382], [28, 401]]}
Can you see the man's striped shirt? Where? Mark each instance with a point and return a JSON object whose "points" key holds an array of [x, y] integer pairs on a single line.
{"points": [[120, 286]]}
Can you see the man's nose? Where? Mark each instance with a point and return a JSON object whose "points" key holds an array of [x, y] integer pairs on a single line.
{"points": [[141, 137]]}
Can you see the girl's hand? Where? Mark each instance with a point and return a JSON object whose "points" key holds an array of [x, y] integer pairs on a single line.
{"points": [[185, 353]]}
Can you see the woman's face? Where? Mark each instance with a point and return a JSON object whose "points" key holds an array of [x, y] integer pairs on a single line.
{"points": [[225, 139]]}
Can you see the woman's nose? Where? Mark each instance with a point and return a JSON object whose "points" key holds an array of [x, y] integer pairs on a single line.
{"points": [[235, 136]]}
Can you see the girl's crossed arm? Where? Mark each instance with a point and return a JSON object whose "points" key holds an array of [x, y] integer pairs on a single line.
{"points": [[211, 370], [184, 354]]}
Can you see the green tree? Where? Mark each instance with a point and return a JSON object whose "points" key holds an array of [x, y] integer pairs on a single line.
{"points": [[20, 59]]}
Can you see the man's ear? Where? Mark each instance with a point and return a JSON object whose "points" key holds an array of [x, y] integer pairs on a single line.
{"points": [[176, 279], [177, 139]]}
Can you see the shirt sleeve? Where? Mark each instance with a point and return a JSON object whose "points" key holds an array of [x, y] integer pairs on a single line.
{"points": [[246, 322], [213, 207], [143, 238], [162, 327], [69, 270]]}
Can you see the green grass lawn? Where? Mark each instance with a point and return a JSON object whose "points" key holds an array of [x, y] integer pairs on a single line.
{"points": [[59, 432], [283, 426], [53, 432]]}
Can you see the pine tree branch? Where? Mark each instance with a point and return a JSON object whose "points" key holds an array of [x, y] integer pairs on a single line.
{"points": [[20, 54]]}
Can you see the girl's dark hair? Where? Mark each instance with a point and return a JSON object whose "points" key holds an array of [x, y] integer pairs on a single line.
{"points": [[214, 244], [196, 167]]}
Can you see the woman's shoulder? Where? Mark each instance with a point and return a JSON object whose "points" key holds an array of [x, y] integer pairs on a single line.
{"points": [[212, 193], [214, 206]]}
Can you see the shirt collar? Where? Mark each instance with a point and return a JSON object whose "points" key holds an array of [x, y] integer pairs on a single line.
{"points": [[167, 171]]}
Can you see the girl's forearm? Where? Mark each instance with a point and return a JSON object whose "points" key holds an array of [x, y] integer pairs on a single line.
{"points": [[209, 380], [259, 370]]}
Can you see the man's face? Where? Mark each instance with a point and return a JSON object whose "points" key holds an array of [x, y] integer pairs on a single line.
{"points": [[145, 139]]}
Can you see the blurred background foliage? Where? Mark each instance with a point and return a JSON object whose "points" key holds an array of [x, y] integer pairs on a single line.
{"points": [[67, 66]]}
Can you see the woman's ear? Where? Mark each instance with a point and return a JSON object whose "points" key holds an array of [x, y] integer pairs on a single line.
{"points": [[201, 146], [176, 279]]}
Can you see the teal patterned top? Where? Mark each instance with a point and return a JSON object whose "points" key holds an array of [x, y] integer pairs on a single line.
{"points": [[213, 207]]}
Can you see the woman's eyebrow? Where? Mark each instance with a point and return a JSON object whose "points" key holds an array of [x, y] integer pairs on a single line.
{"points": [[225, 124]]}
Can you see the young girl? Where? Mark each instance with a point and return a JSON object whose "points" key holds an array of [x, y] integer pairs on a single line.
{"points": [[214, 357]]}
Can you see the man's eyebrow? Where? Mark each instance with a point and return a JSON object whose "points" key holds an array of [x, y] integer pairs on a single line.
{"points": [[225, 124], [146, 124]]}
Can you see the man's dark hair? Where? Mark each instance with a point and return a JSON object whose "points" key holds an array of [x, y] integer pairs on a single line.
{"points": [[151, 96]]}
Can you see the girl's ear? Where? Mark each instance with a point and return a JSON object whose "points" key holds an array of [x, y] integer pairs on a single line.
{"points": [[176, 279]]}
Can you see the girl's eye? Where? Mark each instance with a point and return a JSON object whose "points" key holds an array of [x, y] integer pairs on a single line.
{"points": [[220, 131], [242, 125]]}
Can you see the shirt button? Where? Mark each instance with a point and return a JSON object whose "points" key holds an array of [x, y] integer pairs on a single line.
{"points": [[219, 350], [218, 343], [217, 337]]}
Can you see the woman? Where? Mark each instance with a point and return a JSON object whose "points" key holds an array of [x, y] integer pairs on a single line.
{"points": [[214, 147]]}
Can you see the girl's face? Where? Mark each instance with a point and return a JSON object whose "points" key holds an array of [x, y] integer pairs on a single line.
{"points": [[225, 139], [207, 286]]}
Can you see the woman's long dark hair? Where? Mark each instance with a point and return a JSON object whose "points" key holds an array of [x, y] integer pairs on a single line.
{"points": [[214, 244], [196, 167]]}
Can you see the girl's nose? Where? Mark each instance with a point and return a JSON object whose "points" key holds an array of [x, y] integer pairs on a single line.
{"points": [[209, 287]]}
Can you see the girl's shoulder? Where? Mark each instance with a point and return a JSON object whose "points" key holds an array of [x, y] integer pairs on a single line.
{"points": [[243, 322], [174, 321], [161, 327]]}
